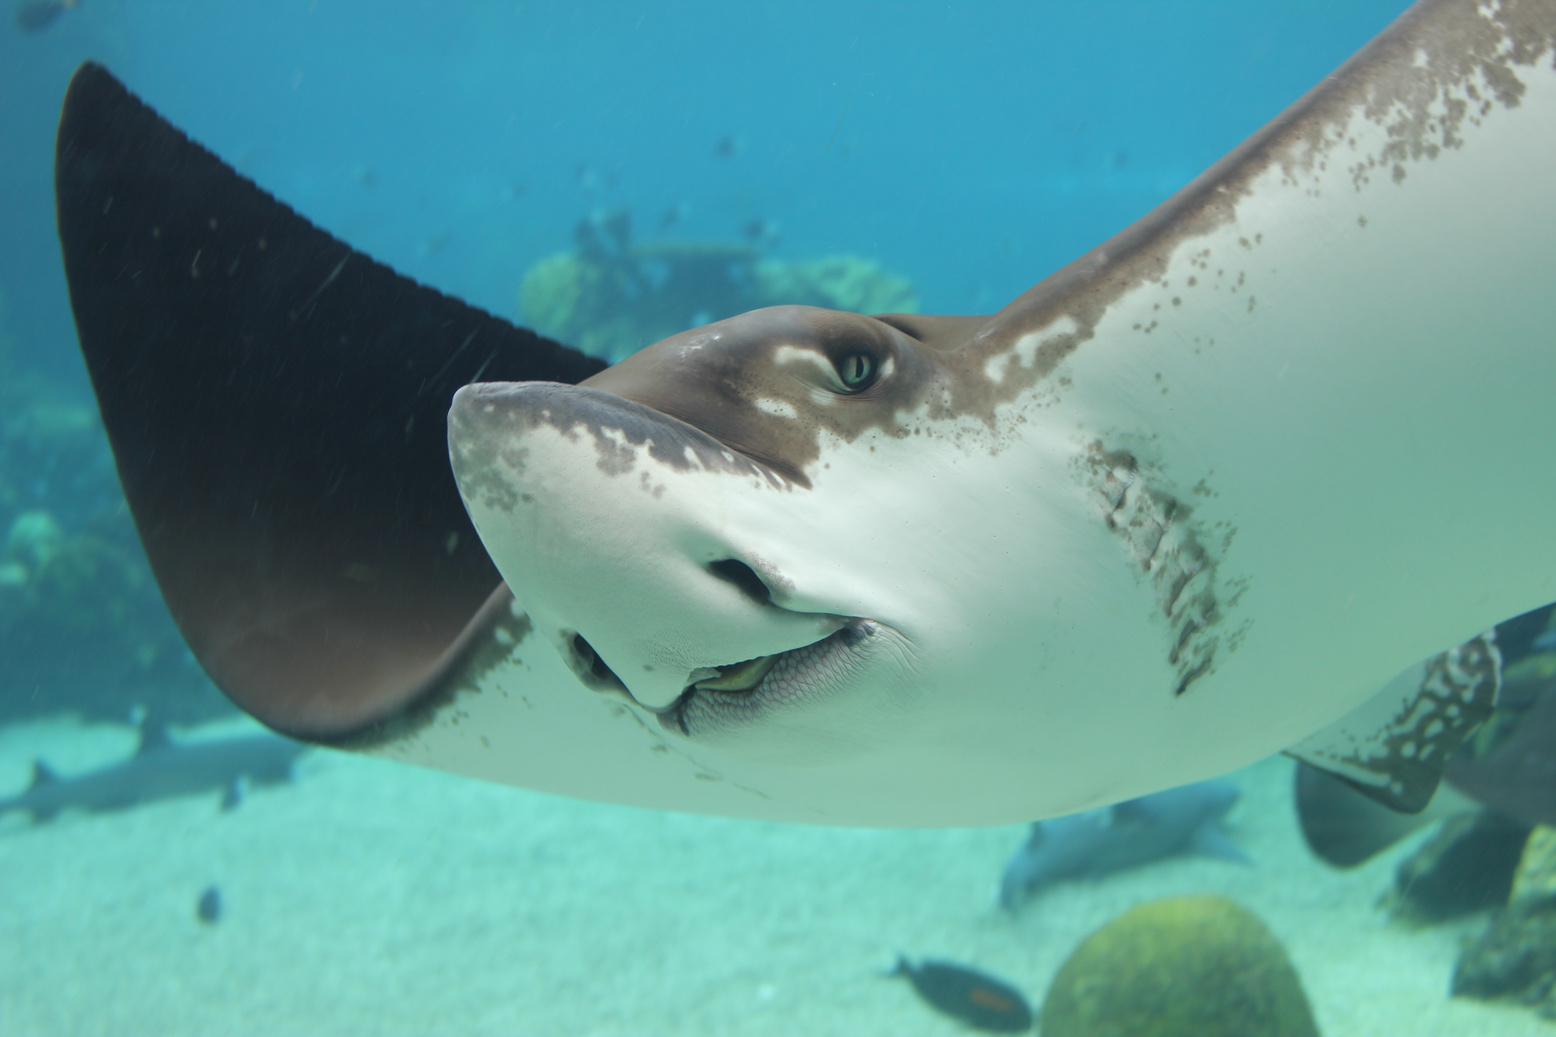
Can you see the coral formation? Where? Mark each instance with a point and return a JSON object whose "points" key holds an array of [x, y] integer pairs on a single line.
{"points": [[72, 584], [611, 296], [1515, 958], [1196, 966], [843, 282], [72, 573], [1466, 866], [613, 304]]}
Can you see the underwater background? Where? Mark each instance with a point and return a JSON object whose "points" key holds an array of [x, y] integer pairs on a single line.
{"points": [[609, 173]]}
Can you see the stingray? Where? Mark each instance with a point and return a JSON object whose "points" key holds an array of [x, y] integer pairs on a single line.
{"points": [[1192, 499]]}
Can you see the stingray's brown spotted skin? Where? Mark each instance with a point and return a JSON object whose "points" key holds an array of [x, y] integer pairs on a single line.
{"points": [[766, 384], [1185, 502]]}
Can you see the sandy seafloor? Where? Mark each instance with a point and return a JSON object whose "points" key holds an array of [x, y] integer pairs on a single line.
{"points": [[376, 898]]}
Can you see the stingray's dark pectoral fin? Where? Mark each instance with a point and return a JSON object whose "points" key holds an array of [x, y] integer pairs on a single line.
{"points": [[1394, 747], [1363, 783], [1343, 827], [276, 404], [1510, 763]]}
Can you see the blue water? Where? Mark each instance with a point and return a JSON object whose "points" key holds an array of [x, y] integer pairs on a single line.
{"points": [[973, 147]]}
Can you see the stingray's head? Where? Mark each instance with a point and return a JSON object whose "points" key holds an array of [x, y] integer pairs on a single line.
{"points": [[735, 529]]}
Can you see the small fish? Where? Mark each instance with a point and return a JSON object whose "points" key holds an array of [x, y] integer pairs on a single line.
{"points": [[209, 909], [617, 225], [1093, 843], [37, 15], [976, 998], [605, 233], [727, 146], [760, 232], [591, 179], [673, 215]]}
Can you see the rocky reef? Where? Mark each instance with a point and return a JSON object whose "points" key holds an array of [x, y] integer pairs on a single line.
{"points": [[1195, 966], [82, 626], [1515, 958], [1467, 865], [611, 295]]}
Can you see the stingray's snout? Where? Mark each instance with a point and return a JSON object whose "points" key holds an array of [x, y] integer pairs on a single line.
{"points": [[613, 525], [485, 415]]}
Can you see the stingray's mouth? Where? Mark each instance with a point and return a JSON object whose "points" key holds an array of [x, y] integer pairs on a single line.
{"points": [[743, 692]]}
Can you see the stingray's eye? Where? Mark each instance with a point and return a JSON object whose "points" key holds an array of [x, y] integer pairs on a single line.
{"points": [[858, 370]]}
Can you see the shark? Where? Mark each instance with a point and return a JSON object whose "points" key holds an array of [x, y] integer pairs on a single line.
{"points": [[1136, 832], [1251, 475], [160, 768]]}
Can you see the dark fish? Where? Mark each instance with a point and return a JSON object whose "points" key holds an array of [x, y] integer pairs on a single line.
{"points": [[760, 232], [592, 179], [976, 998], [673, 215], [617, 224], [37, 15], [727, 146], [209, 909], [603, 234]]}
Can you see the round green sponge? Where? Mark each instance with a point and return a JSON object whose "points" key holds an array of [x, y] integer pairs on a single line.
{"points": [[1198, 966]]}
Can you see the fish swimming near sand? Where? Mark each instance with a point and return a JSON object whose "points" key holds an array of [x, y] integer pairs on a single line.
{"points": [[973, 998], [161, 768], [1192, 499], [1136, 832]]}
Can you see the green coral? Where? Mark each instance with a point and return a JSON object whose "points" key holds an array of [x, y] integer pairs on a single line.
{"points": [[81, 583], [1199, 966], [612, 302], [556, 290], [850, 283], [1535, 880]]}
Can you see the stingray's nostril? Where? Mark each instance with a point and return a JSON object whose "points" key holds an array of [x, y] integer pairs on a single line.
{"points": [[744, 578]]}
